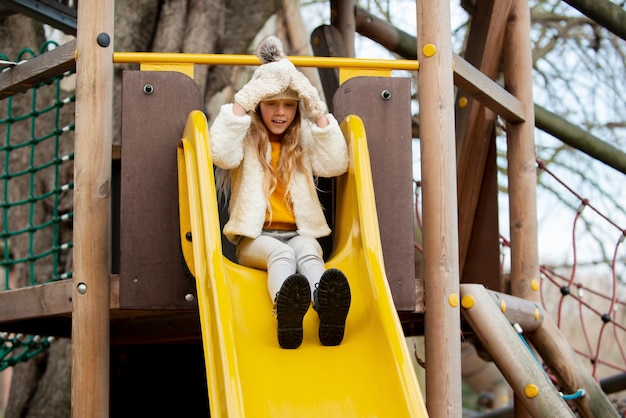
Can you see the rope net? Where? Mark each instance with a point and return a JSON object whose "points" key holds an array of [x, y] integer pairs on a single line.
{"points": [[591, 306], [36, 151]]}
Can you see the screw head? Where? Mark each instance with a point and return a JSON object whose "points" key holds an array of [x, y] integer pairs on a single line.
{"points": [[103, 39]]}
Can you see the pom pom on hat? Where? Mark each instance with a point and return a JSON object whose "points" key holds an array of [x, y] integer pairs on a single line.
{"points": [[270, 49]]}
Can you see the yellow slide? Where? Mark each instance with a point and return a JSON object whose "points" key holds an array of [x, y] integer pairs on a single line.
{"points": [[369, 375]]}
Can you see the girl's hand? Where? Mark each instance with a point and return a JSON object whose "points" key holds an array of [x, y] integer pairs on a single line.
{"points": [[322, 121], [313, 104], [238, 109]]}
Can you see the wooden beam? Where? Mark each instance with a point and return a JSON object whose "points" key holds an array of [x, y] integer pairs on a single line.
{"points": [[92, 210], [50, 12], [37, 301], [605, 12], [342, 17], [487, 91], [37, 70], [516, 362], [441, 263], [526, 313], [522, 172], [580, 139]]}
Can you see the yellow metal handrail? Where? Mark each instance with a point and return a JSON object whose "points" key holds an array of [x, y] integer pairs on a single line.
{"points": [[252, 60]]}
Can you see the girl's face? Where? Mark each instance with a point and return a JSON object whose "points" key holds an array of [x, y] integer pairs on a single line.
{"points": [[277, 115]]}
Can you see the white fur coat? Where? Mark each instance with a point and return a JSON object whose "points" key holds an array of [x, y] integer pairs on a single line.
{"points": [[325, 155]]}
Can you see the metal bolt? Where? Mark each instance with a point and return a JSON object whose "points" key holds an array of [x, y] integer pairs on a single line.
{"points": [[103, 39], [386, 94], [189, 297], [148, 89], [81, 288]]}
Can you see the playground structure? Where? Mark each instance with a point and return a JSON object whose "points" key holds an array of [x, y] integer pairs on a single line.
{"points": [[169, 298]]}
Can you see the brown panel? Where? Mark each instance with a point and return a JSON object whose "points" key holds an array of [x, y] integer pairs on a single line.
{"points": [[151, 269], [388, 126]]}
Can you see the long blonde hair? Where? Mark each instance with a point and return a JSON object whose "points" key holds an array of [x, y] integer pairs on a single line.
{"points": [[290, 161]]}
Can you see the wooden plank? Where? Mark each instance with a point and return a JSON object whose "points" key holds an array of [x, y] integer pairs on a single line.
{"points": [[388, 127], [38, 69], [92, 210], [48, 299], [487, 91], [151, 274]]}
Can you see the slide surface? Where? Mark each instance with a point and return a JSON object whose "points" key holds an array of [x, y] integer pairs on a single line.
{"points": [[370, 374]]}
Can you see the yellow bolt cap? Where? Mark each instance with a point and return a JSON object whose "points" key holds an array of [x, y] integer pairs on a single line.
{"points": [[531, 391], [534, 284], [429, 50], [468, 302]]}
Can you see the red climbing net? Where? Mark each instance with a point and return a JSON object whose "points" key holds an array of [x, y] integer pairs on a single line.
{"points": [[590, 308]]}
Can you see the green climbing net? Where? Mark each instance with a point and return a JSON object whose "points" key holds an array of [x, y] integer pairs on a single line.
{"points": [[36, 155], [16, 348]]}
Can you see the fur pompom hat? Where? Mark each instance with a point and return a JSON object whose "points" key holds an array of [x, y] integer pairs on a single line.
{"points": [[271, 81], [277, 78], [270, 49]]}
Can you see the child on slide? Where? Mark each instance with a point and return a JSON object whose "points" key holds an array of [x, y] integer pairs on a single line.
{"points": [[270, 144]]}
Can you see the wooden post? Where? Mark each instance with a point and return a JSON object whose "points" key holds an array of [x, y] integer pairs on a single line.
{"points": [[342, 17], [441, 261], [527, 379], [521, 160], [521, 156], [92, 203]]}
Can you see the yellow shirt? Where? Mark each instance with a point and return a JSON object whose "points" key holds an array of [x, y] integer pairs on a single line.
{"points": [[282, 217]]}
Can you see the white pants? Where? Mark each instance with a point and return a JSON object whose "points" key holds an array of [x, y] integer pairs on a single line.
{"points": [[282, 253]]}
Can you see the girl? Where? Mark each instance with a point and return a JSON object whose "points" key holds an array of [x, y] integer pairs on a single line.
{"points": [[270, 153]]}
